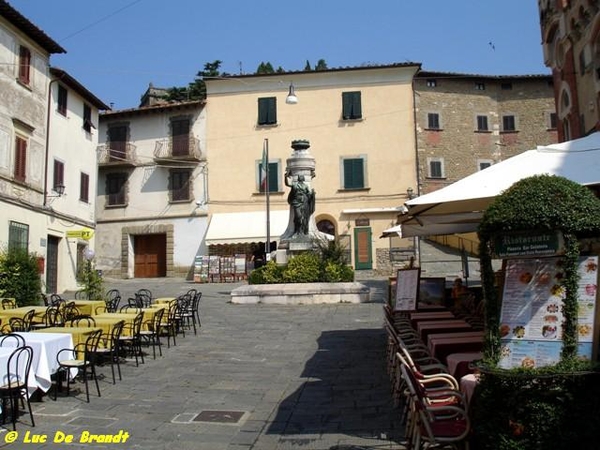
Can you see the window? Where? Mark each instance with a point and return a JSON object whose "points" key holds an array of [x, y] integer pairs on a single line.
{"points": [[180, 185], [59, 175], [482, 123], [20, 159], [508, 123], [353, 171], [435, 167], [480, 86], [62, 100], [84, 187], [552, 121], [433, 121], [18, 236], [351, 106], [87, 118], [115, 189], [484, 163], [24, 65], [506, 86], [267, 111], [180, 131], [117, 141], [273, 177], [431, 83]]}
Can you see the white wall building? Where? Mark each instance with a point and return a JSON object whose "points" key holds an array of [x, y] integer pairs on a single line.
{"points": [[151, 211], [47, 140]]}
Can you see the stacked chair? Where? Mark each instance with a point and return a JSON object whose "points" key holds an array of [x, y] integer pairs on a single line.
{"points": [[433, 408]]}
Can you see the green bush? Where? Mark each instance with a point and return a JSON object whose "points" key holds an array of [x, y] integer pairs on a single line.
{"points": [[93, 284], [270, 273], [303, 268], [327, 264], [337, 273], [19, 277]]}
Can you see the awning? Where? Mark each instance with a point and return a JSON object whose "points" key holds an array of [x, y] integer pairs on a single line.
{"points": [[459, 207], [245, 227]]}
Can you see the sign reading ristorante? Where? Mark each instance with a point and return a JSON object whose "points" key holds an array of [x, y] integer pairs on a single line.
{"points": [[533, 244]]}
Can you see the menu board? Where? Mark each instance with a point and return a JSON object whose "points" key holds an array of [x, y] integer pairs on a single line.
{"points": [[531, 316], [407, 289]]}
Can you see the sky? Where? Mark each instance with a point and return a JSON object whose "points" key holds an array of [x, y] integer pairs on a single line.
{"points": [[115, 48]]}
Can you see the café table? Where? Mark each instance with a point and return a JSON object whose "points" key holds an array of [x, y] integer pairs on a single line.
{"points": [[417, 317], [127, 317], [45, 348], [88, 307], [161, 300], [441, 326], [6, 314], [78, 334], [105, 323], [442, 347], [458, 363]]}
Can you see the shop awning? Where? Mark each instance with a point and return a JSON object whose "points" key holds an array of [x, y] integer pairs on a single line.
{"points": [[245, 227]]}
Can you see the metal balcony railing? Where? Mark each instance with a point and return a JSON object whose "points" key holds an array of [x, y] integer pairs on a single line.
{"points": [[183, 149], [117, 154]]}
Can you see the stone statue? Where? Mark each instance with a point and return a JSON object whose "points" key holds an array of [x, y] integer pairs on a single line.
{"points": [[302, 202]]}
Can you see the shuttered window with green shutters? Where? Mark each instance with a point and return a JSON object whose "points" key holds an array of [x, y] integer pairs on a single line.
{"points": [[267, 111], [354, 173], [273, 177], [351, 105]]}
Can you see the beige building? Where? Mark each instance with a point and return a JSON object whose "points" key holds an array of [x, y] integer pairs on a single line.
{"points": [[360, 125], [571, 44]]}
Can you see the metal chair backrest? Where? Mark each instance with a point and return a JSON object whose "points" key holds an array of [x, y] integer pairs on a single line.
{"points": [[17, 368], [83, 321], [9, 303], [12, 340]]}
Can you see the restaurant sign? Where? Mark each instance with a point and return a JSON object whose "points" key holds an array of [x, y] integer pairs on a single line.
{"points": [[532, 244]]}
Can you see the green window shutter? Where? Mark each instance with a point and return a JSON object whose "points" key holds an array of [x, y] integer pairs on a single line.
{"points": [[351, 105], [267, 111], [273, 177], [354, 174]]}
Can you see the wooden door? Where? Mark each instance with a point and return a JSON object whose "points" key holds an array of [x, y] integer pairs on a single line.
{"points": [[363, 259], [150, 259], [52, 264]]}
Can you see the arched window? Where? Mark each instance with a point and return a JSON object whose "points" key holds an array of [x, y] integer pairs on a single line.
{"points": [[326, 226]]}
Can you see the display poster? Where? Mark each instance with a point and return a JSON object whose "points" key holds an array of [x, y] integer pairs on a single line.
{"points": [[531, 315], [432, 292], [407, 289]]}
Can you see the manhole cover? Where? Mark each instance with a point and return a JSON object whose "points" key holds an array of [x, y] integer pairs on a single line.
{"points": [[219, 416]]}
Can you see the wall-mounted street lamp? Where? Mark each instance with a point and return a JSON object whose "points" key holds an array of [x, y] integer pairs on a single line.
{"points": [[291, 99], [59, 190]]}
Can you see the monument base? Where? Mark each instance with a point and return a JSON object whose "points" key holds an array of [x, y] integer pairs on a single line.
{"points": [[301, 293]]}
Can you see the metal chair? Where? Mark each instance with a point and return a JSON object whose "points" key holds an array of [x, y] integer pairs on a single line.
{"points": [[12, 340], [22, 323], [14, 387], [150, 335], [9, 303], [84, 360], [108, 348], [52, 318], [131, 341]]}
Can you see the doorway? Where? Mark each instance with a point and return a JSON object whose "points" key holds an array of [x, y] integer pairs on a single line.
{"points": [[150, 260], [52, 265]]}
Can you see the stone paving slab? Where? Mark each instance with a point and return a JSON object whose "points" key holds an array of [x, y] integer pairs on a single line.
{"points": [[304, 377]]}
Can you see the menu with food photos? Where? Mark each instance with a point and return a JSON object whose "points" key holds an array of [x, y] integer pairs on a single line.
{"points": [[531, 315]]}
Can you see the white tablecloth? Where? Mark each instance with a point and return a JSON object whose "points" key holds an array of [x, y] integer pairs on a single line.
{"points": [[45, 347]]}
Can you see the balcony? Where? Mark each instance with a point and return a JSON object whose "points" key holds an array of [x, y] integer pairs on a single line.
{"points": [[117, 154], [179, 149]]}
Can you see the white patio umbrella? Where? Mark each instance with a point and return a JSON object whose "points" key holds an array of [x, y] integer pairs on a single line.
{"points": [[458, 208]]}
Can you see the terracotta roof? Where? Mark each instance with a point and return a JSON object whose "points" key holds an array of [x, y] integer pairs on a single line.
{"points": [[152, 109], [28, 28], [435, 74], [77, 87]]}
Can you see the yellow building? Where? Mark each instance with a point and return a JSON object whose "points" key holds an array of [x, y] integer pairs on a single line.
{"points": [[361, 128]]}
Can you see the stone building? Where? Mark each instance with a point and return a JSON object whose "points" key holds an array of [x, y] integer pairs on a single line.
{"points": [[571, 44]]}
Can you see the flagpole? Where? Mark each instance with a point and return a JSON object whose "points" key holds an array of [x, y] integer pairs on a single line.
{"points": [[268, 207]]}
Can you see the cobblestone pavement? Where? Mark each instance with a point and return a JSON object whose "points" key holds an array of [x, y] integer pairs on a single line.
{"points": [[254, 377]]}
